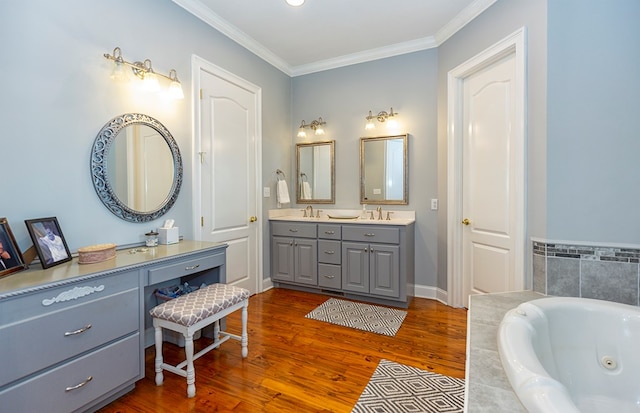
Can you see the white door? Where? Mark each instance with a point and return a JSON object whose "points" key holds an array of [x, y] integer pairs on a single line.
{"points": [[228, 165], [489, 210], [488, 189]]}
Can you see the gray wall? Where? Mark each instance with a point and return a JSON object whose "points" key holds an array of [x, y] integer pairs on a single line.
{"points": [[593, 141], [344, 96], [57, 95], [494, 24]]}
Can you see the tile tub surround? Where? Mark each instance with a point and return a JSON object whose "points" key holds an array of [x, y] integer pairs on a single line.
{"points": [[568, 269], [487, 388]]}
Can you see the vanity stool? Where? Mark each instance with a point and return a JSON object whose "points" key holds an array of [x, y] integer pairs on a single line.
{"points": [[192, 312]]}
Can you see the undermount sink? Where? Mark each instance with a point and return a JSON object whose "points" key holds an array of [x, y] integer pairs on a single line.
{"points": [[342, 216]]}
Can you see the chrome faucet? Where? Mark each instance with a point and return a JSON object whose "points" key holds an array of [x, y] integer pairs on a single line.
{"points": [[309, 209], [379, 209]]}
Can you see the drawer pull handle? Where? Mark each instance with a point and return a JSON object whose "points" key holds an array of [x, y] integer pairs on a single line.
{"points": [[77, 386], [330, 232], [369, 234], [193, 267], [293, 230], [330, 252], [330, 276], [80, 331]]}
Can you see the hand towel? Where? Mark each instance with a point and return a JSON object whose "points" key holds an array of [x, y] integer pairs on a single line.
{"points": [[282, 192], [305, 190]]}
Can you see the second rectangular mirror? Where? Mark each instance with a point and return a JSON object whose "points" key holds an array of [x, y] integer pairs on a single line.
{"points": [[384, 170], [315, 173]]}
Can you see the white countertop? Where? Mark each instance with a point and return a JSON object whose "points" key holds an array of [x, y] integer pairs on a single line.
{"points": [[296, 214]]}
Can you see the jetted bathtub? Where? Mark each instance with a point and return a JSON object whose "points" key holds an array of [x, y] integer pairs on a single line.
{"points": [[570, 355]]}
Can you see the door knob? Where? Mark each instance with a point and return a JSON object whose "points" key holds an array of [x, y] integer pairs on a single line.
{"points": [[253, 219], [466, 221]]}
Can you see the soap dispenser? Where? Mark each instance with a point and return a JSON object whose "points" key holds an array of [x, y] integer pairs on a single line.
{"points": [[364, 212]]}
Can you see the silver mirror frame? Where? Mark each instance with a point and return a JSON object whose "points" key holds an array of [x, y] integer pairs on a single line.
{"points": [[405, 198], [332, 199], [98, 165]]}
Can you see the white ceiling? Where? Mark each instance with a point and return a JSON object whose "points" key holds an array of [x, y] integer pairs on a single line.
{"points": [[324, 34]]}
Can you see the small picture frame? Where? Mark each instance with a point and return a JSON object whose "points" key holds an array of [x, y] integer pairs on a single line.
{"points": [[11, 259], [48, 241]]}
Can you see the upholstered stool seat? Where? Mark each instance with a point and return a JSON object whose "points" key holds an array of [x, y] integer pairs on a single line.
{"points": [[190, 313]]}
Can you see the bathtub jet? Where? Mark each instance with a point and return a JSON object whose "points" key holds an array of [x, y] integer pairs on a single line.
{"points": [[573, 355]]}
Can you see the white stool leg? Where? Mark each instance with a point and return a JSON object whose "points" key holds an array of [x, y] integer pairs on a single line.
{"points": [[216, 331], [245, 336], [191, 371], [158, 364]]}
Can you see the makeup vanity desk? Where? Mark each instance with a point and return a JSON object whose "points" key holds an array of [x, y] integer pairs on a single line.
{"points": [[72, 337]]}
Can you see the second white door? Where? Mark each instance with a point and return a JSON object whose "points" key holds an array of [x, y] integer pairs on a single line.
{"points": [[228, 160]]}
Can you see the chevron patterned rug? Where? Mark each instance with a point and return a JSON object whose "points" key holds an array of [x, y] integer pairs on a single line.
{"points": [[396, 388], [367, 317]]}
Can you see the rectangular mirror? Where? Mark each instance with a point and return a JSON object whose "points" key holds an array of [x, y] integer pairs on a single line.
{"points": [[384, 171], [315, 173]]}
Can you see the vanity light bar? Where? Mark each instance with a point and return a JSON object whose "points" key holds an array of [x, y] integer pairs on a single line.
{"points": [[144, 70], [381, 117], [316, 125]]}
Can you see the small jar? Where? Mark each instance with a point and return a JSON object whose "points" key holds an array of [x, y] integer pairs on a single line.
{"points": [[151, 239]]}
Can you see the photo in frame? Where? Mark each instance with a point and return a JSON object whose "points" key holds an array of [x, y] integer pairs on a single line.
{"points": [[48, 241], [11, 259]]}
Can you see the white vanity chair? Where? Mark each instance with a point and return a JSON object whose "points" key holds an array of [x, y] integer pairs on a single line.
{"points": [[192, 312]]}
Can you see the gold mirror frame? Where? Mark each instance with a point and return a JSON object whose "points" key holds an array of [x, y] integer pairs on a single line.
{"points": [[315, 174], [376, 180]]}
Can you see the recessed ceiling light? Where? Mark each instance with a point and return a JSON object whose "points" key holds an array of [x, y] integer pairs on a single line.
{"points": [[295, 3]]}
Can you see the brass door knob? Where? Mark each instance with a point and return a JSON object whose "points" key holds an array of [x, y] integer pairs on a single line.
{"points": [[253, 219], [466, 221]]}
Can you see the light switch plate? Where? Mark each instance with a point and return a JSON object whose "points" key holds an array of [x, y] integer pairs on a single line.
{"points": [[266, 192]]}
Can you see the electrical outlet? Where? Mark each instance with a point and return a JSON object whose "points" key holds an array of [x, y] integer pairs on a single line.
{"points": [[434, 204], [266, 192]]}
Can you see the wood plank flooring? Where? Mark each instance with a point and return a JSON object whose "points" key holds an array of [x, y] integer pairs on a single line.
{"points": [[297, 364]]}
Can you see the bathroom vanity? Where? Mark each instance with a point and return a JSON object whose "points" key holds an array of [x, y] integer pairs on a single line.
{"points": [[365, 259], [73, 336]]}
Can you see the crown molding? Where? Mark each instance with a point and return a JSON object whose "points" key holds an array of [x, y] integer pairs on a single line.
{"points": [[196, 8], [366, 56], [205, 14], [462, 19]]}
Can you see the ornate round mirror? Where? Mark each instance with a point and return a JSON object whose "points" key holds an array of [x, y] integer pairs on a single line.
{"points": [[136, 167]]}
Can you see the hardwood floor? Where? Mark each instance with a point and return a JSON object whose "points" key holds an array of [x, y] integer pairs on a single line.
{"points": [[297, 364]]}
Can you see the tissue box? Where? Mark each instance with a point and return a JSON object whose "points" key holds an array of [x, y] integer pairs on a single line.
{"points": [[168, 235]]}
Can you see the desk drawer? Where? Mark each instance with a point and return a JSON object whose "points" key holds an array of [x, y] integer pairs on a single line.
{"points": [[329, 251], [369, 233], [181, 269], [36, 343], [329, 231], [330, 276], [47, 392], [294, 229]]}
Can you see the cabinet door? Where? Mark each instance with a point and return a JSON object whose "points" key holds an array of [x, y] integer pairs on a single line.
{"points": [[384, 268], [355, 267], [282, 258], [306, 261]]}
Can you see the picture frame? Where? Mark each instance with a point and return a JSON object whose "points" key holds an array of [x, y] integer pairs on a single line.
{"points": [[11, 259], [48, 241]]}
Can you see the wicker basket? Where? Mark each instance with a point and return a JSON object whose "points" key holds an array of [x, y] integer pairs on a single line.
{"points": [[96, 253]]}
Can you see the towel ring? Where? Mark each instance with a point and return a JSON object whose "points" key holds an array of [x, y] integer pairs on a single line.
{"points": [[278, 173]]}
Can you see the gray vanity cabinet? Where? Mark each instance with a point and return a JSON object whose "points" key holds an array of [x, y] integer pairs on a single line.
{"points": [[329, 257], [370, 266], [294, 252], [364, 261]]}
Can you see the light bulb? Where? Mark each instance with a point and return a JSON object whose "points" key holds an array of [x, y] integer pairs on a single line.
{"points": [[175, 90], [150, 82]]}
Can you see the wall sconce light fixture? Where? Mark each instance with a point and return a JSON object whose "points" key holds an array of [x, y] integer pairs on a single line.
{"points": [[316, 125], [144, 71], [390, 118]]}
